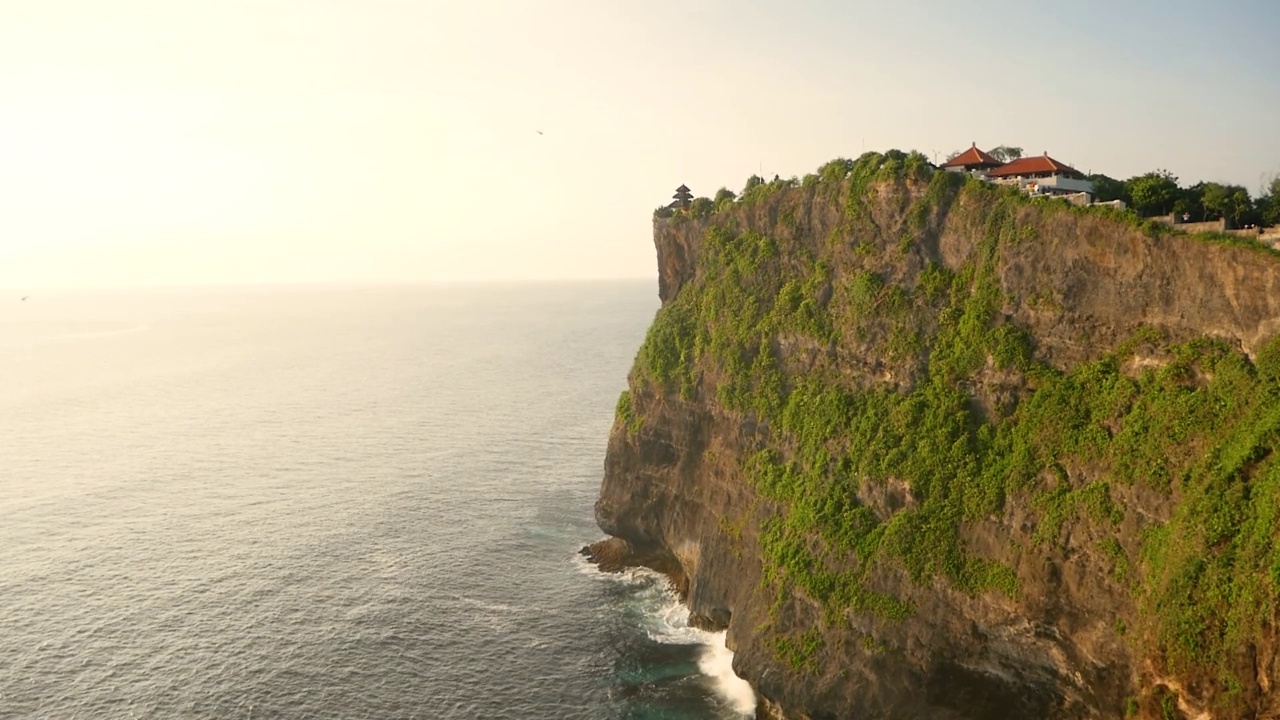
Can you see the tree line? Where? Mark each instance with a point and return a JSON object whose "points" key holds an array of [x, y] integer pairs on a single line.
{"points": [[1150, 194], [1158, 193]]}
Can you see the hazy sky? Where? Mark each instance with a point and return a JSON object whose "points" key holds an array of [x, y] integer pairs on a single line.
{"points": [[192, 141]]}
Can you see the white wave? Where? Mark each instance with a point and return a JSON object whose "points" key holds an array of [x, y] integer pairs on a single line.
{"points": [[629, 576], [670, 625], [666, 620], [717, 664]]}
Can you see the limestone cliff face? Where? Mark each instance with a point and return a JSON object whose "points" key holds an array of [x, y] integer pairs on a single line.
{"points": [[930, 450]]}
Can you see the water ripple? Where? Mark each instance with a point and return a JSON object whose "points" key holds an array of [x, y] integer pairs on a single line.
{"points": [[322, 504]]}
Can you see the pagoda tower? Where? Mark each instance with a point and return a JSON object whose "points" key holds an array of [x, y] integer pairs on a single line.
{"points": [[683, 197]]}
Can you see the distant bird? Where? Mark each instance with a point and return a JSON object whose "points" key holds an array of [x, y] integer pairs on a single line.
{"points": [[24, 298], [538, 131]]}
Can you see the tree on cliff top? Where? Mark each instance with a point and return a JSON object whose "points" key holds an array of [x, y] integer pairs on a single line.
{"points": [[1153, 193], [1240, 208], [724, 198], [1006, 153], [1003, 153], [1269, 203], [701, 207], [1190, 202], [1214, 198], [1107, 188]]}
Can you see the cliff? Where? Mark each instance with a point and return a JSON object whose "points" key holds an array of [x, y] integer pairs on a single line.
{"points": [[930, 449]]}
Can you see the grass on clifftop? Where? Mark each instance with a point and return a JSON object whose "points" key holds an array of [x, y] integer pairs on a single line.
{"points": [[770, 330]]}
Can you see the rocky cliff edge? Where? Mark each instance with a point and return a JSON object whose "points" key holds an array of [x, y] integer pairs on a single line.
{"points": [[930, 449]]}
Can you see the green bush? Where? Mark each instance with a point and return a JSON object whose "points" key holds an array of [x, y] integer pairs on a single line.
{"points": [[724, 199], [701, 207], [799, 652], [835, 171], [626, 414]]}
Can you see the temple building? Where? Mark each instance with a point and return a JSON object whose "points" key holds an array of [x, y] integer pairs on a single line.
{"points": [[972, 160], [1042, 175], [682, 198]]}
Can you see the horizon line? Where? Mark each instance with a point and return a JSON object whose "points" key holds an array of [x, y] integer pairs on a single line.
{"points": [[303, 284]]}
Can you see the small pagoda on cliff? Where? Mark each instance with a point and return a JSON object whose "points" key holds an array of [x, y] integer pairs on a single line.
{"points": [[683, 197]]}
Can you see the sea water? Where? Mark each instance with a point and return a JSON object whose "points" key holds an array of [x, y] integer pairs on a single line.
{"points": [[327, 502]]}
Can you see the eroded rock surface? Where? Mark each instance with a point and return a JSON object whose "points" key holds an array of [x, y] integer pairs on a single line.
{"points": [[1071, 635]]}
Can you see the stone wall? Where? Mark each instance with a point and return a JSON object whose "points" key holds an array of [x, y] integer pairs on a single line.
{"points": [[1175, 220]]}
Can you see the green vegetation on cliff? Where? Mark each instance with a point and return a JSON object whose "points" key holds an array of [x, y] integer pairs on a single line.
{"points": [[958, 412]]}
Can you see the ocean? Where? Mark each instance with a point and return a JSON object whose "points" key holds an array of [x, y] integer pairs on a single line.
{"points": [[328, 502]]}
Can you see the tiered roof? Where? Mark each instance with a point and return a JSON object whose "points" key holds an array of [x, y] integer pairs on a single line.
{"points": [[1036, 165], [682, 198], [972, 158]]}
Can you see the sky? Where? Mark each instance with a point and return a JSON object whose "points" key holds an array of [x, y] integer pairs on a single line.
{"points": [[153, 142]]}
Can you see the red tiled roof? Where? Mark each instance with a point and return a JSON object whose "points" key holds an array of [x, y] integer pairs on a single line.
{"points": [[1033, 166], [971, 157]]}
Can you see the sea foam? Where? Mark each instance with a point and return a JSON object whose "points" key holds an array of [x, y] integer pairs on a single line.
{"points": [[717, 663], [666, 620]]}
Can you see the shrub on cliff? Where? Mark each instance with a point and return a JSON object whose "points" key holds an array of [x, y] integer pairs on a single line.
{"points": [[835, 171], [701, 207], [724, 199]]}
